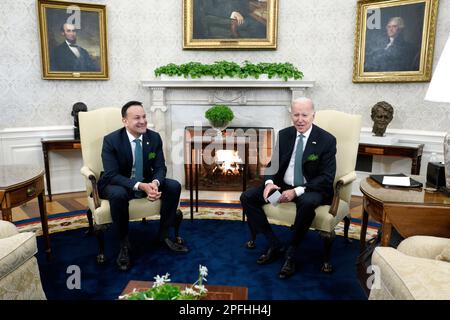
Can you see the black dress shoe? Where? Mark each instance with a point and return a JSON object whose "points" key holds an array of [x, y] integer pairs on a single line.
{"points": [[272, 254], [123, 260], [175, 246], [288, 268]]}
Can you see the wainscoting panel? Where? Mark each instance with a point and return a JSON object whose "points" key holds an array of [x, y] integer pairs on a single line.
{"points": [[23, 146]]}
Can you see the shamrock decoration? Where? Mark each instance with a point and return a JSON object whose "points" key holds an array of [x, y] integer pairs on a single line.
{"points": [[312, 157]]}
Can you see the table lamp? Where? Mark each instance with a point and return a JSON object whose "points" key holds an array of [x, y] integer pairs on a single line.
{"points": [[439, 91]]}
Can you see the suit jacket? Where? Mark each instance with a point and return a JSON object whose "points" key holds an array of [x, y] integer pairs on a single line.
{"points": [[319, 160], [118, 159], [63, 59]]}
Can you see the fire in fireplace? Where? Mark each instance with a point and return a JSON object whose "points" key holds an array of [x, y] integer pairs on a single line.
{"points": [[223, 165]]}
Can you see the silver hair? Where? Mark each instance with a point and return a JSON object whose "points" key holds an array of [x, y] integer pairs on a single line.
{"points": [[302, 100], [398, 20]]}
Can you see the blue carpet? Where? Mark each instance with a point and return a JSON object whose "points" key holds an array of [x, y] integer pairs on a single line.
{"points": [[217, 244]]}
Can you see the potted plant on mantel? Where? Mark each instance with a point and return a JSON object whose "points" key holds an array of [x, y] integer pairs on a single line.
{"points": [[219, 117], [221, 69]]}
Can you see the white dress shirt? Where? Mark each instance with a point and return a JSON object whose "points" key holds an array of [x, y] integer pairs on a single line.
{"points": [[289, 174], [75, 50]]}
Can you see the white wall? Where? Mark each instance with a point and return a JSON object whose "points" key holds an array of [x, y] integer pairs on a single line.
{"points": [[317, 36]]}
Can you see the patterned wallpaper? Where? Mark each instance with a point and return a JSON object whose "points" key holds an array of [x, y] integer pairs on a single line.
{"points": [[317, 36]]}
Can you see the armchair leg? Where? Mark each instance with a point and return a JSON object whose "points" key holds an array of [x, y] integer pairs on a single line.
{"points": [[328, 238], [346, 227], [99, 234], [90, 230], [178, 220]]}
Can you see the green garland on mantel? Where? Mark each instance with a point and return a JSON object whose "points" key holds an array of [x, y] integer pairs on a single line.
{"points": [[220, 69]]}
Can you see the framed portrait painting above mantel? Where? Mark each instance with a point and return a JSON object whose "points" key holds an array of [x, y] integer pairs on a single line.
{"points": [[73, 40], [230, 24], [394, 40]]}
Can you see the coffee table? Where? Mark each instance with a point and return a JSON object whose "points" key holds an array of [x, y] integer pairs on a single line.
{"points": [[215, 292]]}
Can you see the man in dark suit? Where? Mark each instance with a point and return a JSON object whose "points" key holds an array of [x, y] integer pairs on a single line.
{"points": [[134, 167], [302, 168], [69, 56]]}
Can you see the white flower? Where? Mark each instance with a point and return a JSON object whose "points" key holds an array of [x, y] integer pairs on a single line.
{"points": [[203, 271], [201, 288], [159, 281], [190, 291]]}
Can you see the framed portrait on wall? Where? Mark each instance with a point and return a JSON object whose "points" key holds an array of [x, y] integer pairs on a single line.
{"points": [[73, 40], [394, 40], [231, 24]]}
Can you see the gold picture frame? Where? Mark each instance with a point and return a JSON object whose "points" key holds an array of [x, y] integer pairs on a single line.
{"points": [[231, 24], [73, 40], [394, 40]]}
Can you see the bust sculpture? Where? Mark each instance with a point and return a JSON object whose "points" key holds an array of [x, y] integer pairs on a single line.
{"points": [[77, 107], [382, 114]]}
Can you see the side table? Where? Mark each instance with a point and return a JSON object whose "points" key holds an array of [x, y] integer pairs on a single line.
{"points": [[49, 145], [20, 184]]}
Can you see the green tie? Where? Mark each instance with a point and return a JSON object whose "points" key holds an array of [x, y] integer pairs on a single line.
{"points": [[298, 171], [138, 163]]}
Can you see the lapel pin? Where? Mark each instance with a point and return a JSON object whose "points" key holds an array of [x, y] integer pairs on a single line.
{"points": [[314, 142], [148, 143]]}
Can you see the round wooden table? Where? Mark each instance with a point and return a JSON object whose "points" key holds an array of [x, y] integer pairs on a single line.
{"points": [[412, 211], [20, 184]]}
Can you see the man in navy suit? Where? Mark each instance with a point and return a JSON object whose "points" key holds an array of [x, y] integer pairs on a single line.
{"points": [[302, 168], [69, 56], [134, 167]]}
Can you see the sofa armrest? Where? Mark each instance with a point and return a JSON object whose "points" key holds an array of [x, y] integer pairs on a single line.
{"points": [[423, 246], [7, 229]]}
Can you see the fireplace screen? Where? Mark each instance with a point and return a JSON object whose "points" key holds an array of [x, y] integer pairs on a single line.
{"points": [[229, 163]]}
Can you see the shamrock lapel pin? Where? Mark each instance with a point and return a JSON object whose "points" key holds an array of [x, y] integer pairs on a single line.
{"points": [[151, 155], [312, 157]]}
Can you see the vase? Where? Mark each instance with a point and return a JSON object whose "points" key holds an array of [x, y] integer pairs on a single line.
{"points": [[217, 128]]}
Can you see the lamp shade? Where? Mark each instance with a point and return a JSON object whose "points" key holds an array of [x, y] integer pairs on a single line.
{"points": [[439, 89]]}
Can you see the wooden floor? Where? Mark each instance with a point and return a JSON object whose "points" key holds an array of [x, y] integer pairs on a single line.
{"points": [[77, 201]]}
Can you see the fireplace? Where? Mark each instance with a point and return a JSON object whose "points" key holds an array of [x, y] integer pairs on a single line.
{"points": [[229, 163]]}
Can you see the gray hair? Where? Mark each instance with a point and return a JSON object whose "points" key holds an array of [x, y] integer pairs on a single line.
{"points": [[398, 21], [303, 100]]}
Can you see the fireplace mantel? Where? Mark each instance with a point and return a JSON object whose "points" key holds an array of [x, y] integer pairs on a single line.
{"points": [[228, 83], [179, 102]]}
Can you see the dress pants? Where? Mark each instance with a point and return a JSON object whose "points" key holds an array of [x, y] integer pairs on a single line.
{"points": [[252, 201], [120, 196]]}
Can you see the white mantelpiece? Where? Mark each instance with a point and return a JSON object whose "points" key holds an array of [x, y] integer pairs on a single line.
{"points": [[176, 103], [228, 83]]}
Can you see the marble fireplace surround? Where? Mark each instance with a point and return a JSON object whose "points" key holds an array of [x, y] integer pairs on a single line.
{"points": [[177, 103]]}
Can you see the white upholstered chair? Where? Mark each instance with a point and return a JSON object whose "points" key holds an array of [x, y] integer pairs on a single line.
{"points": [[346, 128], [419, 269], [19, 271], [94, 125]]}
